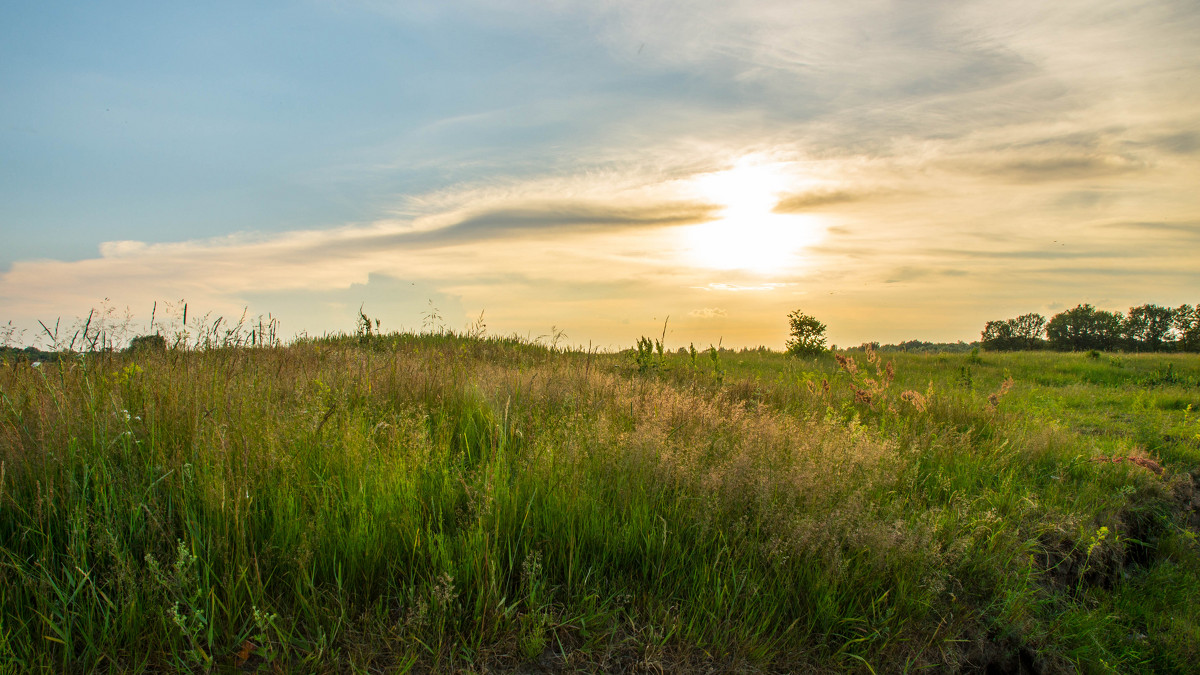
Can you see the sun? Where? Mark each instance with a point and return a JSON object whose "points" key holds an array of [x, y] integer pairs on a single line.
{"points": [[749, 236]]}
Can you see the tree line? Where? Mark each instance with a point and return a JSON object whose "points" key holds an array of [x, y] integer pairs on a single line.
{"points": [[1146, 328]]}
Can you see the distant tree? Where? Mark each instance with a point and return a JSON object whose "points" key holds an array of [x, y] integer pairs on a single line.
{"points": [[807, 335], [1023, 332], [1148, 327], [997, 335], [1187, 326], [147, 343], [1029, 327], [1084, 328]]}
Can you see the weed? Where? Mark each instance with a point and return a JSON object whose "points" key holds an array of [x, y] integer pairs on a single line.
{"points": [[644, 354], [364, 329], [1096, 540], [965, 380], [718, 367], [180, 586], [266, 636], [994, 398], [432, 321]]}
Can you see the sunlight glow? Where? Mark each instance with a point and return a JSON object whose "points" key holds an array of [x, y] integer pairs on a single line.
{"points": [[749, 236]]}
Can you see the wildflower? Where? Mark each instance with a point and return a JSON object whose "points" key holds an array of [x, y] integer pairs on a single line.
{"points": [[847, 363], [443, 592], [1097, 539], [994, 398], [872, 357], [915, 399]]}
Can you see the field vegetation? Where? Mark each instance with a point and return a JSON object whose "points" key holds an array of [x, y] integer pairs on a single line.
{"points": [[384, 502]]}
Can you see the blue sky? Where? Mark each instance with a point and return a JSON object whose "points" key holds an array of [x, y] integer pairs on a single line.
{"points": [[899, 169]]}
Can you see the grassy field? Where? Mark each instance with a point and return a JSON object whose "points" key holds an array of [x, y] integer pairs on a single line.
{"points": [[435, 502]]}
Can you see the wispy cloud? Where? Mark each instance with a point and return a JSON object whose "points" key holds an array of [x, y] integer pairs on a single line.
{"points": [[903, 274], [531, 218], [1057, 251], [1187, 228], [815, 199]]}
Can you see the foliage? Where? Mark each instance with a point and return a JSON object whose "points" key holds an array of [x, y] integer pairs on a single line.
{"points": [[807, 335], [1187, 325], [1084, 328], [1023, 332], [1148, 327]]}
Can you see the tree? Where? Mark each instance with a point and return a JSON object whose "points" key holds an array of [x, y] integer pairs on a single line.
{"points": [[808, 335], [1023, 332], [997, 335], [1148, 327], [1083, 328], [147, 343], [1029, 328], [1187, 325]]}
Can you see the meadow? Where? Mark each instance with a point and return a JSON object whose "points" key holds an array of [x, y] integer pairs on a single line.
{"points": [[449, 502]]}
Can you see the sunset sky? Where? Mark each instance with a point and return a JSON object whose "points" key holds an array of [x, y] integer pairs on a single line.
{"points": [[900, 170]]}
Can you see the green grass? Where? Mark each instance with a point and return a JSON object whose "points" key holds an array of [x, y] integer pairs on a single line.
{"points": [[386, 503]]}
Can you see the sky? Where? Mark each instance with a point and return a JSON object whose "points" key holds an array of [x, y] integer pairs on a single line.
{"points": [[899, 170]]}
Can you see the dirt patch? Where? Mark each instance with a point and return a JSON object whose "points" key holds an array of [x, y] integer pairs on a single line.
{"points": [[1187, 495], [990, 656]]}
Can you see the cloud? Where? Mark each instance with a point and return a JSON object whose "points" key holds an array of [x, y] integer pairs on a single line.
{"points": [[708, 313], [1181, 143], [1082, 200], [1190, 229], [1057, 252], [807, 201], [904, 274], [1061, 168], [515, 220], [551, 217], [1123, 271]]}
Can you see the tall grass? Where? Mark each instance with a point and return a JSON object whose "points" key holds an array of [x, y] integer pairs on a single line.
{"points": [[437, 502]]}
